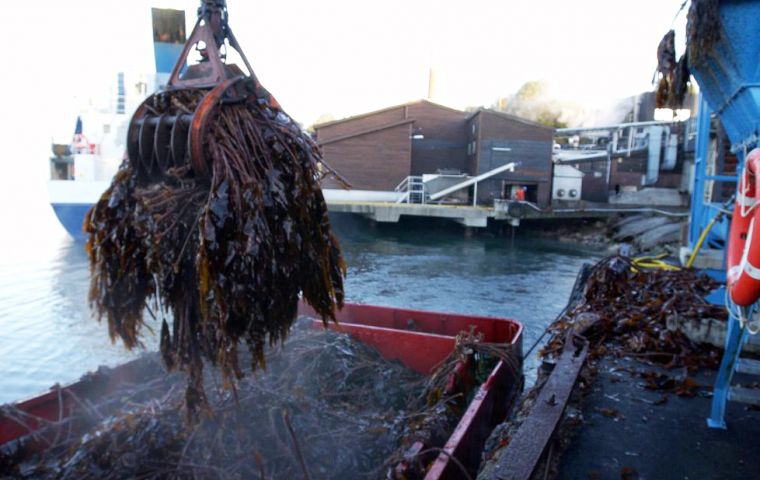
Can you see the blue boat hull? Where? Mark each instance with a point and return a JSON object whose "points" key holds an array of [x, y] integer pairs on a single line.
{"points": [[71, 216]]}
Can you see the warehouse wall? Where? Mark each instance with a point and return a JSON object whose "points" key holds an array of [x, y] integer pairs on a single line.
{"points": [[445, 138], [377, 150], [529, 143], [374, 161], [359, 123]]}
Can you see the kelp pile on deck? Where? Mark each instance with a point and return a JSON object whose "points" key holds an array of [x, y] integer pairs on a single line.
{"points": [[226, 253], [325, 407], [624, 310]]}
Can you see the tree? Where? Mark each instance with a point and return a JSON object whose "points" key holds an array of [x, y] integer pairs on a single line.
{"points": [[324, 118], [533, 102]]}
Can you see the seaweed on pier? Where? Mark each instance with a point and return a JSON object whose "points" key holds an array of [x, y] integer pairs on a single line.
{"points": [[632, 311], [226, 254]]}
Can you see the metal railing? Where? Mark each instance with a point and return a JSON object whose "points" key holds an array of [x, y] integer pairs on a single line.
{"points": [[413, 189]]}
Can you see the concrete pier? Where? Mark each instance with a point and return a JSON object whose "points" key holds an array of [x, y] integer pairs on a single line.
{"points": [[391, 212], [511, 212]]}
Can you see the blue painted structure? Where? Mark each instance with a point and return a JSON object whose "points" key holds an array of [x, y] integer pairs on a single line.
{"points": [[703, 212], [166, 55], [168, 37], [736, 336], [729, 80]]}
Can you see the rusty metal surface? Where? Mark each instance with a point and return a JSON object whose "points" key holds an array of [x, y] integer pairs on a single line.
{"points": [[207, 37], [156, 143], [204, 117], [519, 459]]}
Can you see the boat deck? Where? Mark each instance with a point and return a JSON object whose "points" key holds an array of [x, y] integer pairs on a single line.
{"points": [[628, 433]]}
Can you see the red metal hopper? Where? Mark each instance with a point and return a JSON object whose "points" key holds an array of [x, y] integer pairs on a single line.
{"points": [[418, 339]]}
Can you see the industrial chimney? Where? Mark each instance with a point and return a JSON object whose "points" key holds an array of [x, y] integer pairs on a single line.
{"points": [[432, 80]]}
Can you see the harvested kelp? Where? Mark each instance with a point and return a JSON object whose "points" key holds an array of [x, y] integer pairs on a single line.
{"points": [[326, 407], [666, 53], [625, 311], [227, 252], [673, 84], [680, 85]]}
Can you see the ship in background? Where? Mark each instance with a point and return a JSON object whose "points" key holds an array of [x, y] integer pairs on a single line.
{"points": [[82, 170]]}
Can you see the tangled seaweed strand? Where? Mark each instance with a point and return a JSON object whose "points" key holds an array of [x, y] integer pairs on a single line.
{"points": [[679, 86], [666, 62], [226, 255], [666, 53], [443, 402], [674, 75], [345, 404]]}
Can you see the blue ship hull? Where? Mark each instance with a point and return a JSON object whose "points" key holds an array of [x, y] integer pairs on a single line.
{"points": [[71, 216]]}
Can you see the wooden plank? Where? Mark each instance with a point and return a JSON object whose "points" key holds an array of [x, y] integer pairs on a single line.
{"points": [[519, 459]]}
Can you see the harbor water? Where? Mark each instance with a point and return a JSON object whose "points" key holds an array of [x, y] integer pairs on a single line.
{"points": [[48, 335]]}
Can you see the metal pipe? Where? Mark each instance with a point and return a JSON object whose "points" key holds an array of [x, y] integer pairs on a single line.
{"points": [[616, 127], [474, 180]]}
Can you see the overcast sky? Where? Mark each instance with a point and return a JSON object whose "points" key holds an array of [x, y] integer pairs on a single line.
{"points": [[320, 57], [345, 57]]}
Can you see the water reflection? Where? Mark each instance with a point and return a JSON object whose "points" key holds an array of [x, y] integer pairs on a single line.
{"points": [[70, 281], [436, 268], [48, 335]]}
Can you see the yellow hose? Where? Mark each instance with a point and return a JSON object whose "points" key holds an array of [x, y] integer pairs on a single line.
{"points": [[701, 240], [653, 262], [648, 258], [656, 261], [658, 265]]}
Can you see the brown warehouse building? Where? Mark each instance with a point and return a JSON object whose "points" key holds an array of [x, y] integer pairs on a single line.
{"points": [[377, 150]]}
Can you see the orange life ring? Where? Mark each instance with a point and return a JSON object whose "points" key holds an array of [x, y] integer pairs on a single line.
{"points": [[743, 256]]}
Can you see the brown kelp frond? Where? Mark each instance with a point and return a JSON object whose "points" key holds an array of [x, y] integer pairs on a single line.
{"points": [[227, 254]]}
